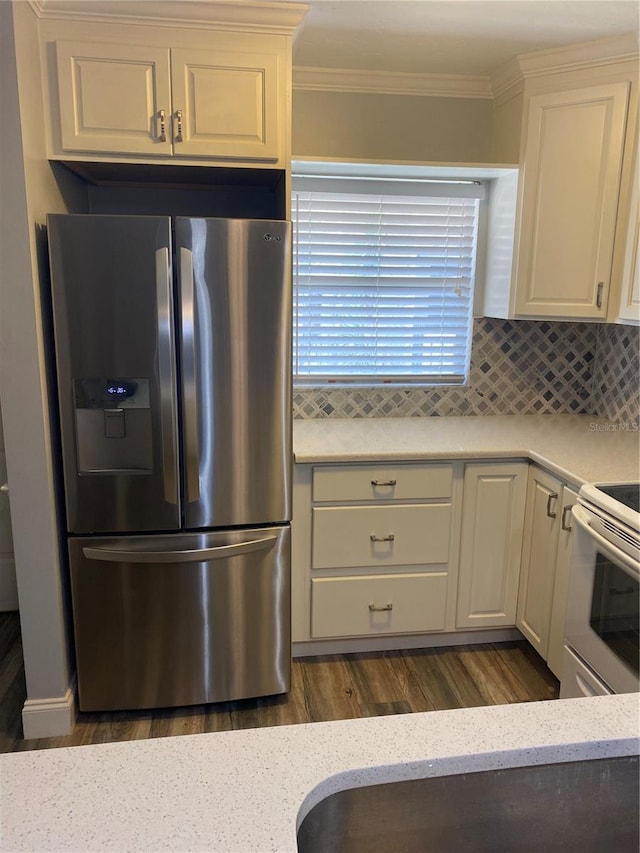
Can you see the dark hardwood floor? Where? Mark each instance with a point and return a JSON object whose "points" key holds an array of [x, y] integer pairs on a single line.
{"points": [[331, 687]]}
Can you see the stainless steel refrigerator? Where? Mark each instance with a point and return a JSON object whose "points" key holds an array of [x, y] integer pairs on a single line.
{"points": [[172, 342]]}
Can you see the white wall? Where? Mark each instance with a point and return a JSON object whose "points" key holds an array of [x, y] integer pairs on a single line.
{"points": [[391, 127], [28, 191]]}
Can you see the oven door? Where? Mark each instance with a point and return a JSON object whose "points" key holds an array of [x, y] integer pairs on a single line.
{"points": [[603, 606]]}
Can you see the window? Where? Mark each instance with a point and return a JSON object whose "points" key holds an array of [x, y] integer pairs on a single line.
{"points": [[383, 279]]}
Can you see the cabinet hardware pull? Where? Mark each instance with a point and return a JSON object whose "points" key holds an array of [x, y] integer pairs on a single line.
{"points": [[374, 609], [162, 135], [383, 482], [567, 509], [552, 497], [388, 538], [179, 126], [599, 294]]}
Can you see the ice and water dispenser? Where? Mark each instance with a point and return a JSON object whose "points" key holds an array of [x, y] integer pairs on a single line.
{"points": [[113, 426]]}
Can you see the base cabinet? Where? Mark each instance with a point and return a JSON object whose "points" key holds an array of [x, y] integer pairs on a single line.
{"points": [[491, 544], [546, 556], [378, 604], [535, 594], [412, 548], [380, 548], [555, 651]]}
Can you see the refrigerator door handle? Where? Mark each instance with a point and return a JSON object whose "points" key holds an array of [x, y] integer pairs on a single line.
{"points": [[114, 555], [166, 376], [190, 397]]}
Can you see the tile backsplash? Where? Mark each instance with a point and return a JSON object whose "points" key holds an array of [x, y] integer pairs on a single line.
{"points": [[517, 367], [616, 382]]}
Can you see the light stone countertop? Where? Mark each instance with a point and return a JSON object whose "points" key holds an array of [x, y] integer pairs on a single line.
{"points": [[577, 448], [246, 791]]}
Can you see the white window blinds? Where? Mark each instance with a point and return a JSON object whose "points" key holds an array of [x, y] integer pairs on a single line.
{"points": [[383, 280]]}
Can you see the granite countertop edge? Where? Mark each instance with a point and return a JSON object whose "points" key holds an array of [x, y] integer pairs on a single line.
{"points": [[577, 448]]}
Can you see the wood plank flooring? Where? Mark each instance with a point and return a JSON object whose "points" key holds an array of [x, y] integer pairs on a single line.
{"points": [[331, 687]]}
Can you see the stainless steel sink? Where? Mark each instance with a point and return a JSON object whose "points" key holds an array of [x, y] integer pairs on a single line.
{"points": [[580, 806]]}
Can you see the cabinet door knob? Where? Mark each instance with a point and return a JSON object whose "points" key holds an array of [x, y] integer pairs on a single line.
{"points": [[383, 482], [178, 131], [388, 538], [552, 497], [374, 609]]}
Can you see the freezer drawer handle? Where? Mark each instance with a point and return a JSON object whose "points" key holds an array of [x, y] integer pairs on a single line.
{"points": [[112, 555]]}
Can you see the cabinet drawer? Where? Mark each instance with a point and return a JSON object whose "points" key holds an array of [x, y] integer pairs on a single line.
{"points": [[404, 535], [341, 607], [381, 482]]}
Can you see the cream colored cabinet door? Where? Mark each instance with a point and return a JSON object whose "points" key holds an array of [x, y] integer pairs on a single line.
{"points": [[571, 175], [225, 104], [555, 651], [630, 294], [491, 543], [113, 98], [539, 549]]}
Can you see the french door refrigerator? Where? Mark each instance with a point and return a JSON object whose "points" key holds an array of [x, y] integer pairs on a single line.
{"points": [[172, 341]]}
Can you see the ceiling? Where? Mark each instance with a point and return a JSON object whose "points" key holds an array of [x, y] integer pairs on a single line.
{"points": [[471, 37]]}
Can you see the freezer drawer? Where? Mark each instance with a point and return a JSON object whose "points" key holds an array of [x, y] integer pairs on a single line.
{"points": [[181, 620]]}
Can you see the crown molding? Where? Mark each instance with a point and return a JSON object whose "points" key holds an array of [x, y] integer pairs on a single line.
{"points": [[390, 83], [272, 16], [572, 57], [506, 77]]}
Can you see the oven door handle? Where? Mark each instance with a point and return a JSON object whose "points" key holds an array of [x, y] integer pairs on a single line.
{"points": [[625, 562]]}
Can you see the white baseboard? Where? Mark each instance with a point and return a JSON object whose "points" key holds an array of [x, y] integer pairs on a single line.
{"points": [[52, 717], [412, 641]]}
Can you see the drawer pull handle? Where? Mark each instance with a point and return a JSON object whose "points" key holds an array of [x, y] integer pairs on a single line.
{"points": [[388, 538], [552, 497], [374, 609], [383, 482]]}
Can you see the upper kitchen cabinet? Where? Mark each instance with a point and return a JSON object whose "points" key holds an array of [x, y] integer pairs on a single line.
{"points": [[629, 304], [577, 130], [131, 99], [572, 165], [218, 93]]}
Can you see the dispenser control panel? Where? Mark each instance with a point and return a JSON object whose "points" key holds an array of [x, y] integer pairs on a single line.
{"points": [[111, 393], [113, 425]]}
